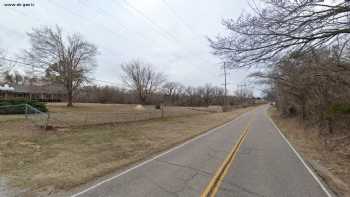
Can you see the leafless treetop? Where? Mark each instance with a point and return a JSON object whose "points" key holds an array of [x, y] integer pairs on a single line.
{"points": [[281, 26], [142, 78], [66, 61]]}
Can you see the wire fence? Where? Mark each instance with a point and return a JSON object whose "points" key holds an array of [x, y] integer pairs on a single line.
{"points": [[73, 119], [78, 119], [14, 112], [37, 117]]}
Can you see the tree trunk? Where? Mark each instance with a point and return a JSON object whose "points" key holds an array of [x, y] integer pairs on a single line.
{"points": [[330, 125], [70, 98], [143, 100]]}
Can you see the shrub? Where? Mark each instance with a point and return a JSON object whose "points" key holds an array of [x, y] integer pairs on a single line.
{"points": [[157, 106], [343, 108], [17, 106]]}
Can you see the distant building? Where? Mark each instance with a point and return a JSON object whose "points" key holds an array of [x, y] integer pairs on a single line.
{"points": [[44, 93]]}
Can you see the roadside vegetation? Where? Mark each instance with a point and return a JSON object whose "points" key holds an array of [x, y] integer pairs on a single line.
{"points": [[38, 162], [94, 129], [301, 49], [331, 163]]}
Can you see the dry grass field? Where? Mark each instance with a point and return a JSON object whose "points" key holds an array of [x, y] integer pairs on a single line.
{"points": [[83, 114], [308, 142], [4, 118], [38, 162], [87, 114], [95, 107]]}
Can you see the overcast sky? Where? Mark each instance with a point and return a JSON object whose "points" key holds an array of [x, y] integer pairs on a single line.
{"points": [[170, 34]]}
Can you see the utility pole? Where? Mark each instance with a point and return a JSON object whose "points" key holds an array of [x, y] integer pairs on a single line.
{"points": [[225, 96]]}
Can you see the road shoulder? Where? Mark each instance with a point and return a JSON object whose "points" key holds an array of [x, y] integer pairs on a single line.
{"points": [[306, 141]]}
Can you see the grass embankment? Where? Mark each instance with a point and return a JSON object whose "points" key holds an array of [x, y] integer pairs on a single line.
{"points": [[52, 161], [310, 144]]}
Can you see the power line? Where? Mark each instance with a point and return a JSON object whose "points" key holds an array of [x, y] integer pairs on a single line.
{"points": [[33, 66], [86, 19], [180, 19], [12, 32], [155, 26], [124, 27], [160, 30], [149, 20], [19, 62], [40, 19], [112, 32]]}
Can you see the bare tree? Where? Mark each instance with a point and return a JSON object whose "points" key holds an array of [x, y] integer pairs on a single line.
{"points": [[171, 91], [190, 93], [244, 94], [1, 61], [170, 88], [3, 66], [280, 27], [313, 86], [67, 61], [8, 77], [208, 94], [142, 78]]}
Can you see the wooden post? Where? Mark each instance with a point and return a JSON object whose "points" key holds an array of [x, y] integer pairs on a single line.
{"points": [[26, 110], [162, 110], [86, 119], [47, 120]]}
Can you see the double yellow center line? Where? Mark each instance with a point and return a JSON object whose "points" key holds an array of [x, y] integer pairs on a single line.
{"points": [[214, 184]]}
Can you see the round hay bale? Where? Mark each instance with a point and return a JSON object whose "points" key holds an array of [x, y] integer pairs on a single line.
{"points": [[139, 108]]}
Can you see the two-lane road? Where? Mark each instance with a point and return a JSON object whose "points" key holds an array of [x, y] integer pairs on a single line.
{"points": [[261, 164]]}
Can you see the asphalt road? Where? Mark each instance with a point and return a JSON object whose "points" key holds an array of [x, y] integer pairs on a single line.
{"points": [[264, 165]]}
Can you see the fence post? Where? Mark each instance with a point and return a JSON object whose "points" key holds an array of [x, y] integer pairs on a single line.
{"points": [[47, 120], [86, 119], [162, 110], [26, 110]]}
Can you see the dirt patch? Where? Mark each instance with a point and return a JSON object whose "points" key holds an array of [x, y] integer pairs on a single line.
{"points": [[312, 146], [46, 162]]}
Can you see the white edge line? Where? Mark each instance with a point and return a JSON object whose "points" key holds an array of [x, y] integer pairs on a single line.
{"points": [[158, 156], [299, 157]]}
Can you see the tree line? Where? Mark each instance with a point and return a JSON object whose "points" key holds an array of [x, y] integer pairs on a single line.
{"points": [[302, 50], [170, 93], [68, 61]]}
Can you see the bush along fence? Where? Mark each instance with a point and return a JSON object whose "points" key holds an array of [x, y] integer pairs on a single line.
{"points": [[37, 117], [18, 106]]}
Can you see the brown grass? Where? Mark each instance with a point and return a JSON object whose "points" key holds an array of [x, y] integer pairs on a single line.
{"points": [[311, 145], [5, 118], [94, 107], [83, 114], [52, 161]]}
